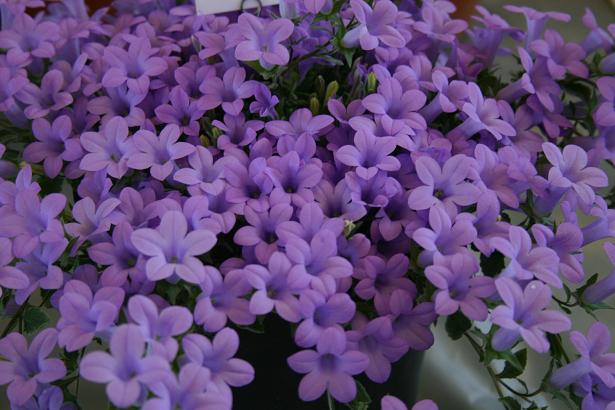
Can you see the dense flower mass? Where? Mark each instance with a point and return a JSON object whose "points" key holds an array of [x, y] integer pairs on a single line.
{"points": [[357, 168]]}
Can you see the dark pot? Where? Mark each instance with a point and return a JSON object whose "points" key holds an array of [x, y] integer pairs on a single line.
{"points": [[275, 386]]}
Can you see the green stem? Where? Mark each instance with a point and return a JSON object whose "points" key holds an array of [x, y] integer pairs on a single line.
{"points": [[330, 401], [479, 351], [15, 319]]}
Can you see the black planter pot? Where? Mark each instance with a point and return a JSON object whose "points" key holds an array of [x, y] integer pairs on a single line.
{"points": [[275, 386]]}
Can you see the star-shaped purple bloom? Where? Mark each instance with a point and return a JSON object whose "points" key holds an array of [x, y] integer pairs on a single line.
{"points": [[527, 261], [159, 326], [594, 358], [570, 171], [524, 315], [447, 184], [26, 368], [125, 370], [170, 249], [459, 288], [158, 153], [261, 40], [376, 26], [329, 368], [108, 149], [217, 356], [134, 66], [83, 315], [181, 111]]}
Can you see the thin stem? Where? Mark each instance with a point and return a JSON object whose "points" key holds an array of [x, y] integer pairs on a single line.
{"points": [[330, 401], [15, 319], [479, 351]]}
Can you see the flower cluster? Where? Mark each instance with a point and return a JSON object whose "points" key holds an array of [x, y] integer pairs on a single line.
{"points": [[357, 168]]}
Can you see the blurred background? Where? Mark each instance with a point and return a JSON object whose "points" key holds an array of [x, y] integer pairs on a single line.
{"points": [[452, 375]]}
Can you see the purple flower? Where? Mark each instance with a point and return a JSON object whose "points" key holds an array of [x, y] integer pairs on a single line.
{"points": [[605, 287], [261, 229], [311, 221], [275, 287], [329, 368], [54, 144], [535, 81], [158, 153], [181, 112], [92, 221], [447, 184], [124, 370], [230, 91], [218, 357], [33, 221], [10, 277], [293, 178], [223, 298], [31, 37], [436, 23], [265, 102], [83, 315], [594, 359], [536, 20], [190, 389], [375, 26], [9, 88], [49, 97], [261, 40], [133, 67], [483, 115], [524, 315], [459, 288], [446, 236], [567, 242], [25, 368], [236, 131], [561, 57], [379, 278], [320, 312], [203, 172], [375, 339], [108, 149], [159, 327], [119, 102], [570, 170], [494, 179], [605, 113], [301, 122], [411, 322], [170, 249], [318, 258], [527, 262], [396, 103], [369, 153], [39, 267], [393, 403], [450, 98]]}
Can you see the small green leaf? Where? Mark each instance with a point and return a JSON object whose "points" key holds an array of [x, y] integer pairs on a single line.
{"points": [[515, 369], [34, 319], [510, 403], [361, 400], [456, 325]]}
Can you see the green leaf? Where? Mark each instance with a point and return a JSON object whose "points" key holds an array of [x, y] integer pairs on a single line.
{"points": [[515, 369], [34, 319], [510, 403], [362, 399], [456, 325], [493, 264]]}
